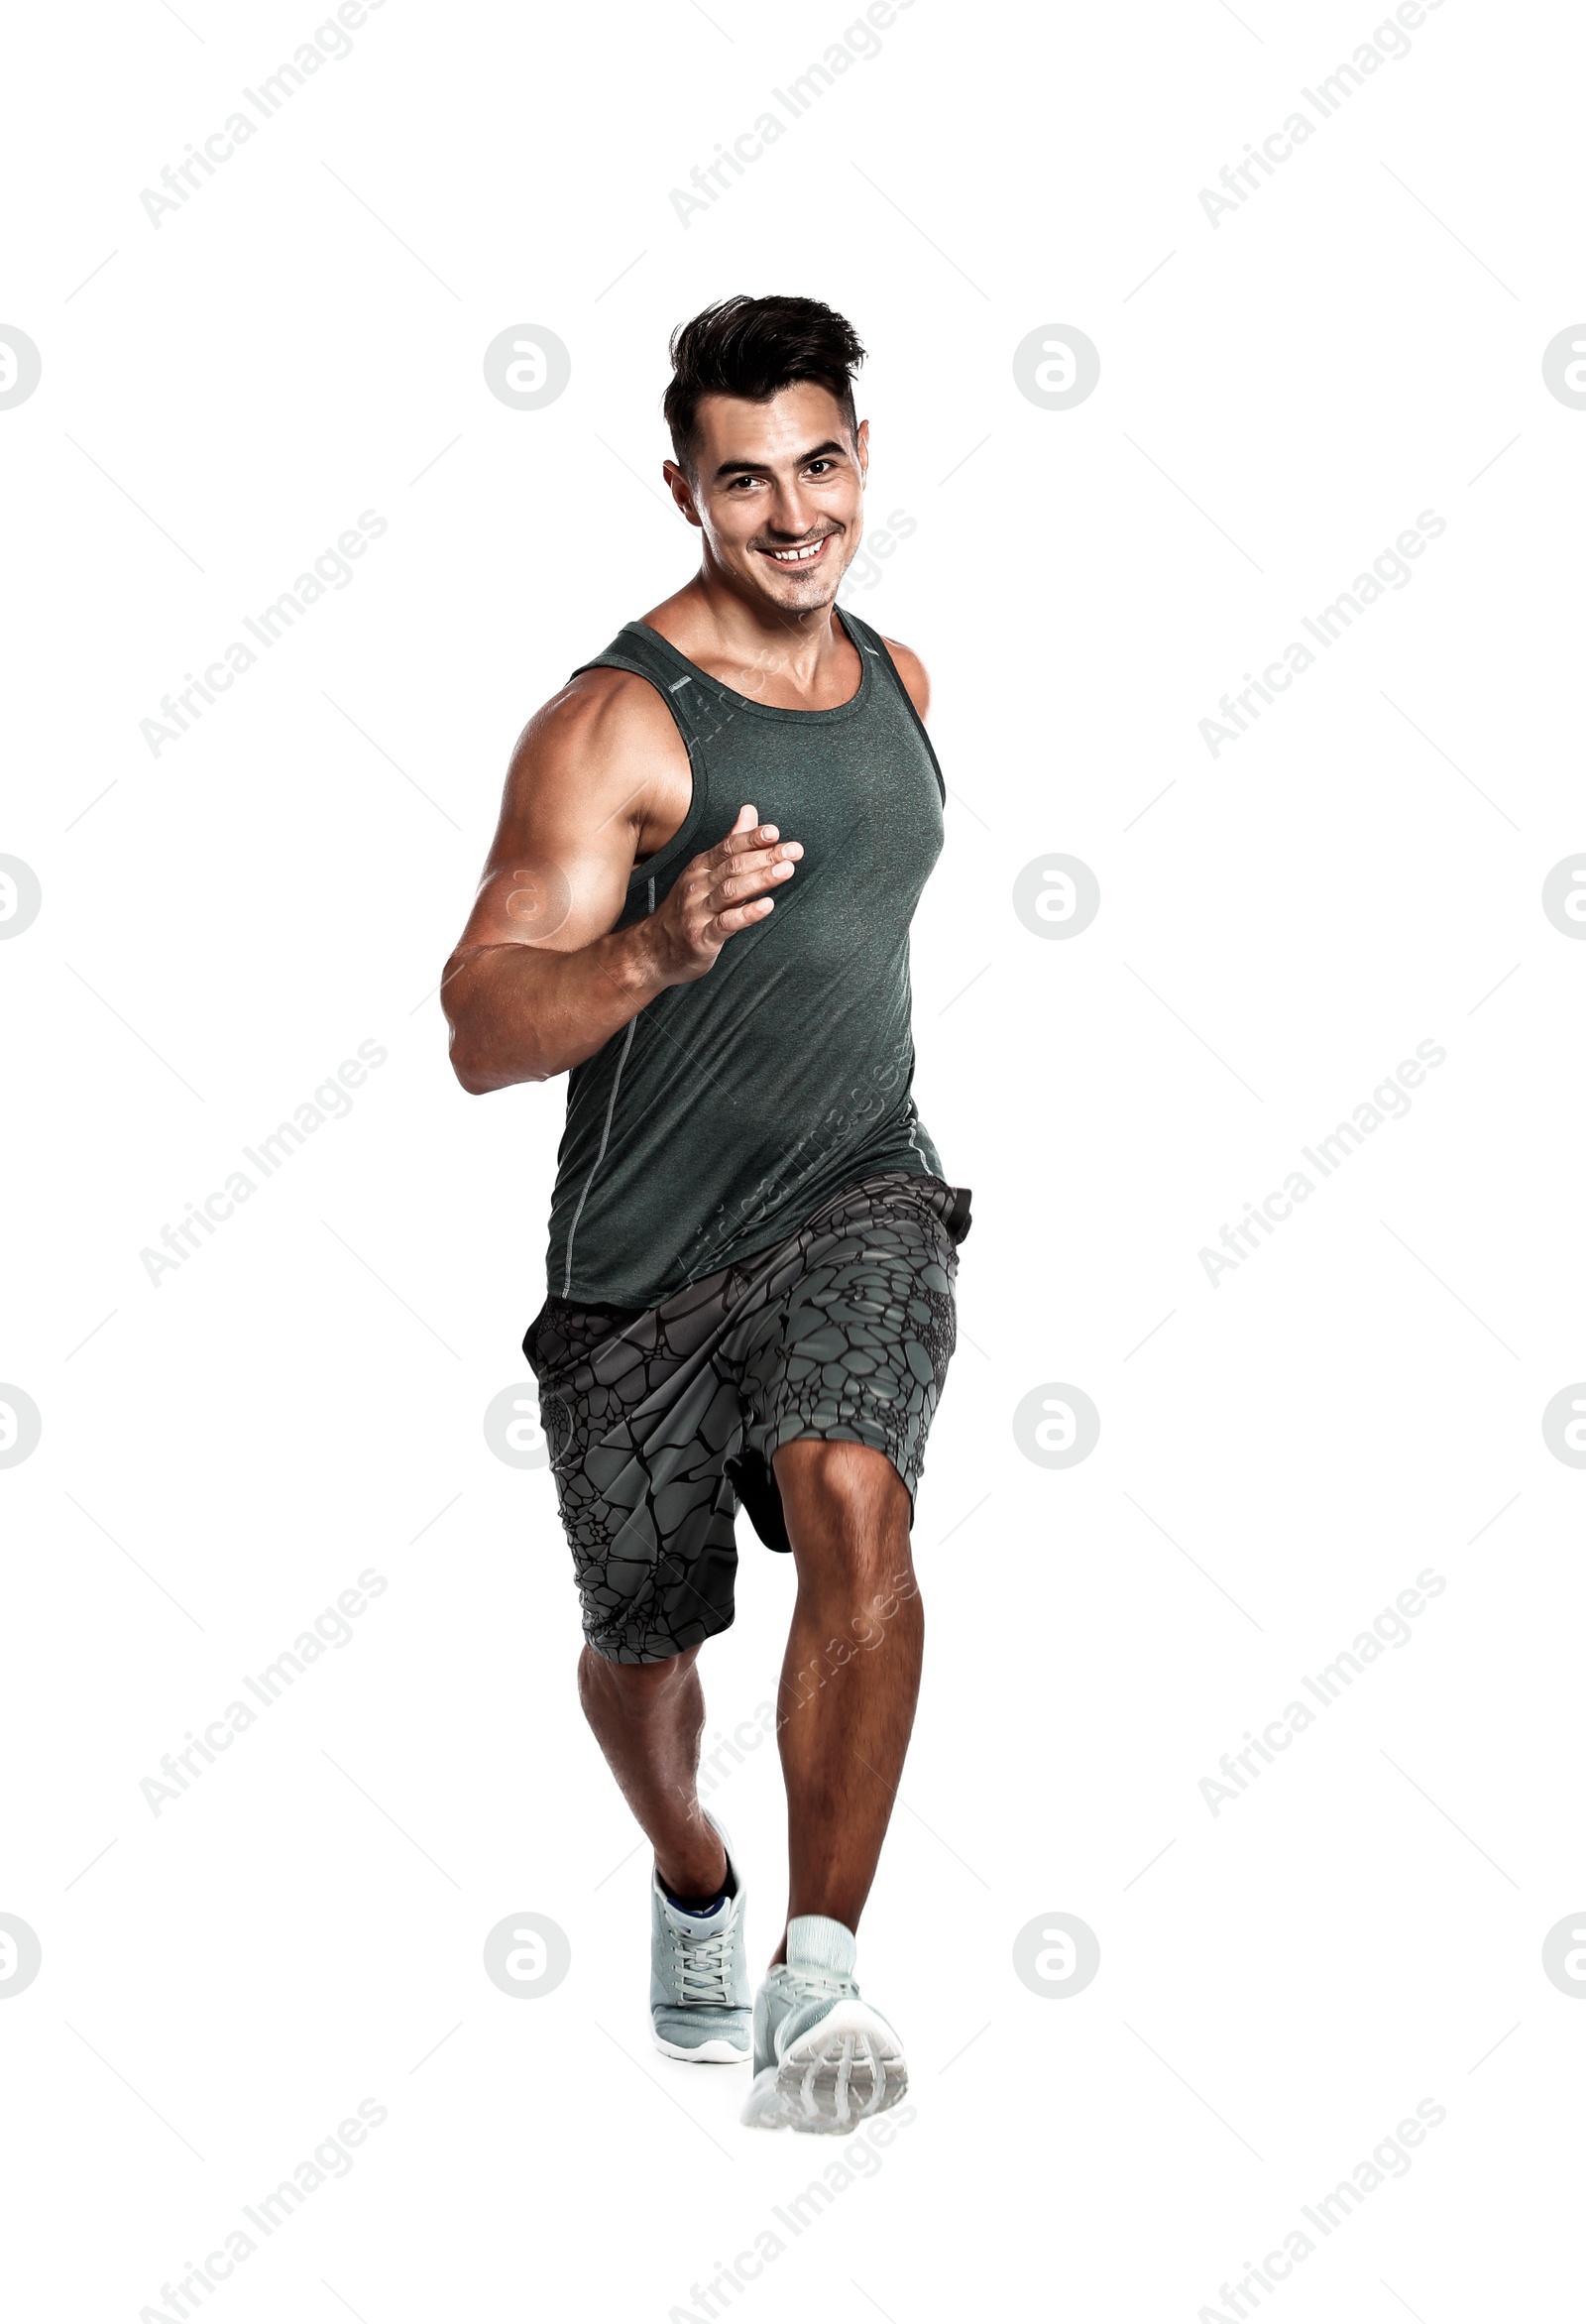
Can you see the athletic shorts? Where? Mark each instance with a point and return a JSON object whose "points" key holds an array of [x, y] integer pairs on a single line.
{"points": [[660, 1421]]}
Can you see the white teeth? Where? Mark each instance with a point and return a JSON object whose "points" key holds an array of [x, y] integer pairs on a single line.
{"points": [[796, 556]]}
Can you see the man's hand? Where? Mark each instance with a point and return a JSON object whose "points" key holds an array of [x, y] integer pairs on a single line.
{"points": [[542, 976], [714, 896]]}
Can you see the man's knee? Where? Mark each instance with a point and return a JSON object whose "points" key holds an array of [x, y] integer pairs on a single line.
{"points": [[634, 1690], [848, 1512], [849, 1483]]}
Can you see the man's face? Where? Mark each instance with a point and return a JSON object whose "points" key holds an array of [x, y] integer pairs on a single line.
{"points": [[777, 490]]}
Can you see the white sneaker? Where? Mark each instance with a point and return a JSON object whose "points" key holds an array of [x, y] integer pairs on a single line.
{"points": [[699, 1975], [824, 2059]]}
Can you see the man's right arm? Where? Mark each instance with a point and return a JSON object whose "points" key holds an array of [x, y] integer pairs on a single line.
{"points": [[540, 978]]}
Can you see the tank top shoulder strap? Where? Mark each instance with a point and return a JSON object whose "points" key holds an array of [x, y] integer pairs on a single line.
{"points": [[645, 655], [871, 641]]}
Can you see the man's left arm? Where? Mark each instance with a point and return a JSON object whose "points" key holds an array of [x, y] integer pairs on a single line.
{"points": [[911, 669]]}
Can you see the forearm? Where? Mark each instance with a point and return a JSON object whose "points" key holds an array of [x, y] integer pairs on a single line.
{"points": [[520, 1012]]}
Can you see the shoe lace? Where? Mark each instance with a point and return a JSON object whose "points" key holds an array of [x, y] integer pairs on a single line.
{"points": [[701, 1967]]}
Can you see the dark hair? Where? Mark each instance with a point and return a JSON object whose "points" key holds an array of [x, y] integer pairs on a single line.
{"points": [[753, 347]]}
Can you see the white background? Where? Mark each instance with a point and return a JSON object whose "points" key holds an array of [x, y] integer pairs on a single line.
{"points": [[221, 1456]]}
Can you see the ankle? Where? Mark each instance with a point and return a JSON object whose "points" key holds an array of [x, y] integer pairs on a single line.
{"points": [[693, 1880]]}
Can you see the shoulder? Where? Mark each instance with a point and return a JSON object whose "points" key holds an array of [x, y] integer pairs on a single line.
{"points": [[597, 703], [603, 749], [600, 716], [911, 669]]}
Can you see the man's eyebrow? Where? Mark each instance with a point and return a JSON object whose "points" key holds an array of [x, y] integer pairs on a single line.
{"points": [[760, 467]]}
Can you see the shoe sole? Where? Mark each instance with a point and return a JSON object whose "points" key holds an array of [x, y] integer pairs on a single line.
{"points": [[714, 2052], [846, 2070]]}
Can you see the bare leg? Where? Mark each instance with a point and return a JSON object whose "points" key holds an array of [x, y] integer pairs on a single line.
{"points": [[648, 1718], [852, 1674]]}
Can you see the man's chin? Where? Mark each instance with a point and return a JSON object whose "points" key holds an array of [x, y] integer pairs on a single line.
{"points": [[793, 593]]}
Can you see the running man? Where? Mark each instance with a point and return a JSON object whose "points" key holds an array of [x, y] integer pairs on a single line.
{"points": [[697, 906]]}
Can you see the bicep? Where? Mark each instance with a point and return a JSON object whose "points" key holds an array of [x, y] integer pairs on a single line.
{"points": [[547, 885], [558, 871]]}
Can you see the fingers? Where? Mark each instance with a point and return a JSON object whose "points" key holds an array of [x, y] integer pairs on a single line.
{"points": [[745, 832], [751, 857], [738, 916], [751, 873], [747, 836]]}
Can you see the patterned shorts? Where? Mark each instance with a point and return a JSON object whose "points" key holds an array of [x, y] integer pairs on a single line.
{"points": [[661, 1419]]}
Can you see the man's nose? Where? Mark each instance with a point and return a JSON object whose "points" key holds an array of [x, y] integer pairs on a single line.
{"points": [[792, 517]]}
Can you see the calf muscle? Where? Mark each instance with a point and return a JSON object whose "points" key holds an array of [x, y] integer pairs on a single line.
{"points": [[850, 1679]]}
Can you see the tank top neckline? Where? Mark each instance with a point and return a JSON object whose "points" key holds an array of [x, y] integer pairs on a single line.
{"points": [[855, 702]]}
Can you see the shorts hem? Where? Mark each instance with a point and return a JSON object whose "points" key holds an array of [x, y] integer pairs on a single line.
{"points": [[633, 1659], [848, 1435]]}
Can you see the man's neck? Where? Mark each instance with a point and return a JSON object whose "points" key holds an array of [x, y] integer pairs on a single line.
{"points": [[757, 648]]}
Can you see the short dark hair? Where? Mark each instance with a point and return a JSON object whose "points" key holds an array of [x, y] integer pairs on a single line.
{"points": [[753, 348]]}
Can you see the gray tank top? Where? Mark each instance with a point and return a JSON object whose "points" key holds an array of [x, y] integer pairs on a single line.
{"points": [[723, 1115]]}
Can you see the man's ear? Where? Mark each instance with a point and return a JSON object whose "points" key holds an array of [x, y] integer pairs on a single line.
{"points": [[681, 486]]}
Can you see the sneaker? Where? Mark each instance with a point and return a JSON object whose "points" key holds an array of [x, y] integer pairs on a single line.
{"points": [[699, 1978], [824, 2059]]}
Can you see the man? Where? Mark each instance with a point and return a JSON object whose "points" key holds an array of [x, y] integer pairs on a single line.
{"points": [[697, 905]]}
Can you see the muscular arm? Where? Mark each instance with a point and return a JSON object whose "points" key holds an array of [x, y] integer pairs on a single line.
{"points": [[911, 669], [539, 980]]}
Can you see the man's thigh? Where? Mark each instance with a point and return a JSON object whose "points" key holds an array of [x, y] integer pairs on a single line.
{"points": [[854, 1345], [640, 1427]]}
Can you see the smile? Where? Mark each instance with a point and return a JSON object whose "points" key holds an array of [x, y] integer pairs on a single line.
{"points": [[798, 557]]}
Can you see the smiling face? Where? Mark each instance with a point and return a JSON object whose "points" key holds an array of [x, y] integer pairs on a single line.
{"points": [[778, 489]]}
